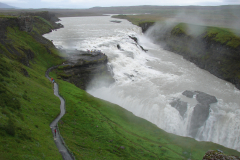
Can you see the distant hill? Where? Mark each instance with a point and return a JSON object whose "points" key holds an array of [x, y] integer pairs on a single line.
{"points": [[3, 5]]}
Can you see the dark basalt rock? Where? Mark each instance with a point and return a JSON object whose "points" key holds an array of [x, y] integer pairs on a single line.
{"points": [[180, 106], [188, 94], [201, 111], [118, 46], [199, 116], [83, 67], [210, 155], [134, 38], [204, 98]]}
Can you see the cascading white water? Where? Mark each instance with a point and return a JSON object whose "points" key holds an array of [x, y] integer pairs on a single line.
{"points": [[147, 82]]}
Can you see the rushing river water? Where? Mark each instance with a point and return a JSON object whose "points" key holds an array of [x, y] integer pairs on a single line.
{"points": [[146, 82]]}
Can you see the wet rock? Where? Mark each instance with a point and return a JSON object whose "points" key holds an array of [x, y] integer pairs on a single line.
{"points": [[219, 156], [205, 98], [143, 48], [199, 116], [188, 94], [134, 38], [118, 46], [86, 69], [180, 106]]}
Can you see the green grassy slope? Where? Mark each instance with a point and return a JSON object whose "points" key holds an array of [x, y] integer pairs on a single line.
{"points": [[96, 129], [27, 104]]}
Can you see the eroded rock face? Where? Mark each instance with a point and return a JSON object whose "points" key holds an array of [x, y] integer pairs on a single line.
{"points": [[84, 68], [199, 116], [180, 106], [200, 112]]}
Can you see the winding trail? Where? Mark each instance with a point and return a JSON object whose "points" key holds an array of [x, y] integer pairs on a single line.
{"points": [[58, 138]]}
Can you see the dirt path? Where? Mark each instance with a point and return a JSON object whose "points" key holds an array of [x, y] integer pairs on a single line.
{"points": [[57, 138]]}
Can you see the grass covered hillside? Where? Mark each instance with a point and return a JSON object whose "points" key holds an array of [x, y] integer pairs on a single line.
{"points": [[27, 103]]}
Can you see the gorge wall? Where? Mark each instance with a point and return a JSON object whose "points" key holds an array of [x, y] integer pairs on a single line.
{"points": [[85, 69], [34, 25], [216, 50]]}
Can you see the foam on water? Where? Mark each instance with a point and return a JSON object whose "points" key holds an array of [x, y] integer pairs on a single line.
{"points": [[147, 82]]}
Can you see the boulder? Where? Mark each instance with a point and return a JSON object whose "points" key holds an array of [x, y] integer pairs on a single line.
{"points": [[204, 98], [118, 46], [218, 155], [180, 106], [199, 116], [188, 94]]}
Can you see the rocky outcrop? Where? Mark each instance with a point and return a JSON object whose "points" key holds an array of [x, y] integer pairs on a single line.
{"points": [[145, 25], [199, 116], [219, 155], [44, 14], [205, 98], [181, 106], [201, 111], [84, 68], [25, 23], [136, 41], [31, 23]]}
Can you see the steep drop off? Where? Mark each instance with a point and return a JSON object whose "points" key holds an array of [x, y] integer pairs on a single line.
{"points": [[214, 49]]}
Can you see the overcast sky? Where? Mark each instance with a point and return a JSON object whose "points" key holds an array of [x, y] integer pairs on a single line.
{"points": [[108, 3]]}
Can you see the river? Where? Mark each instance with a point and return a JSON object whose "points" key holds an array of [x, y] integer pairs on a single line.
{"points": [[146, 82]]}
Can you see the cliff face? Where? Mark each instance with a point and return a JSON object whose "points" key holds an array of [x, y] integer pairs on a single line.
{"points": [[213, 49], [145, 25], [86, 70], [33, 26]]}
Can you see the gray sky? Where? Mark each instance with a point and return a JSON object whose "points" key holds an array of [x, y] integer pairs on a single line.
{"points": [[108, 3]]}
